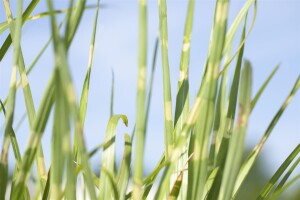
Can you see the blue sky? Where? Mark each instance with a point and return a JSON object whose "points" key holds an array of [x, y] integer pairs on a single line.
{"points": [[274, 39]]}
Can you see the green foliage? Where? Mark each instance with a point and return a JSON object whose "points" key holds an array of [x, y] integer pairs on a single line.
{"points": [[204, 142]]}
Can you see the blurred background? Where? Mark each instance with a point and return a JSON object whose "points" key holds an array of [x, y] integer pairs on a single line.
{"points": [[274, 40]]}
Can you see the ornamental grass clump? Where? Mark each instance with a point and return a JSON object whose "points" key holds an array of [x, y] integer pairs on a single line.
{"points": [[204, 138]]}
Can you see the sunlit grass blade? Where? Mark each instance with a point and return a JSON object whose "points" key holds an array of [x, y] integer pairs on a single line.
{"points": [[25, 15], [60, 49], [236, 146], [263, 87], [124, 171], [140, 103], [163, 36], [249, 162], [111, 183], [182, 98], [271, 184], [86, 84], [108, 156], [34, 140]]}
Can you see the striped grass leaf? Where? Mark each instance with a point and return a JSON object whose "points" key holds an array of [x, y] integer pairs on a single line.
{"points": [[25, 15], [250, 160], [108, 156], [34, 140], [207, 96], [236, 146], [163, 35], [271, 184], [27, 91], [182, 98], [122, 178], [141, 103], [221, 151], [233, 29]]}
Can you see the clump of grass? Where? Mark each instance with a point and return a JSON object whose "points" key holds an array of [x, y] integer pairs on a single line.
{"points": [[204, 142]]}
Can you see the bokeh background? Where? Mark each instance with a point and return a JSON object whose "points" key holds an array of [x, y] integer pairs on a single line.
{"points": [[274, 40]]}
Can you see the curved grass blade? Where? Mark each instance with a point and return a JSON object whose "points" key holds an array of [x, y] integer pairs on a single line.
{"points": [[249, 162], [271, 184], [108, 156], [111, 183]]}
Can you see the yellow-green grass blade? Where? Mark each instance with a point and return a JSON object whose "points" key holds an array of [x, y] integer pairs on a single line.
{"points": [[4, 25], [15, 27], [163, 35], [263, 87], [27, 93], [285, 187], [60, 49], [108, 156], [34, 140], [124, 171], [182, 98], [25, 15], [140, 103], [111, 183], [226, 130], [174, 193], [86, 84], [236, 146], [59, 137], [249, 162], [206, 97], [74, 20], [271, 184], [233, 29]]}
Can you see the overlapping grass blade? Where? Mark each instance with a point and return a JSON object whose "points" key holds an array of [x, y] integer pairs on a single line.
{"points": [[182, 98], [271, 184], [141, 103], [249, 162], [236, 146], [108, 156], [25, 15]]}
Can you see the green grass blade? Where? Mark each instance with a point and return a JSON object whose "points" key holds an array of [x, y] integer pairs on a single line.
{"points": [[249, 162], [163, 35], [271, 184], [141, 103], [182, 98], [236, 146], [111, 183], [124, 171], [25, 15], [282, 189], [85, 88], [108, 156]]}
